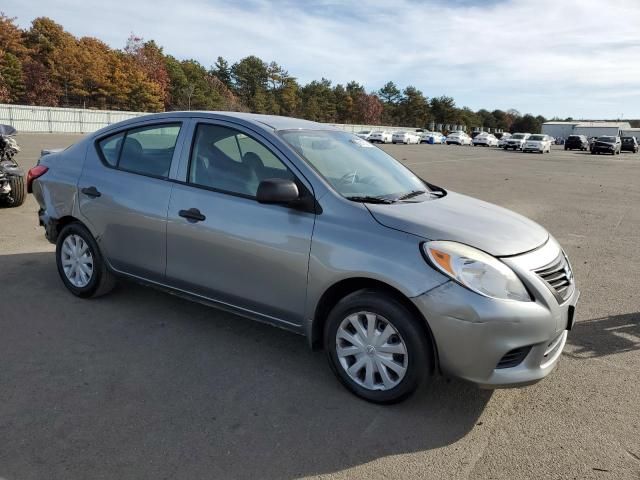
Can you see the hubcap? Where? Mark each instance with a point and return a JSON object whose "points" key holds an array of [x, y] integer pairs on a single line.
{"points": [[77, 261], [371, 351]]}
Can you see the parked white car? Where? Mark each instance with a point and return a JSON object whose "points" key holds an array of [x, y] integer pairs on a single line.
{"points": [[432, 138], [405, 137], [516, 141], [381, 136], [458, 138], [503, 139], [485, 139], [537, 143], [365, 134]]}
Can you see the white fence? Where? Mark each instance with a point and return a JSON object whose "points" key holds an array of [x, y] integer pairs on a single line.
{"points": [[26, 118], [59, 120]]}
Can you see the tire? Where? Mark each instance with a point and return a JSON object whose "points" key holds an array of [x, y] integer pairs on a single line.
{"points": [[18, 192], [101, 281], [409, 334]]}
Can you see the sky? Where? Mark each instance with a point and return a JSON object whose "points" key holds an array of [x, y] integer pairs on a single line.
{"points": [[577, 58]]}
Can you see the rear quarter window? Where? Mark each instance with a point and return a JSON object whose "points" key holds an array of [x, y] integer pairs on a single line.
{"points": [[110, 148]]}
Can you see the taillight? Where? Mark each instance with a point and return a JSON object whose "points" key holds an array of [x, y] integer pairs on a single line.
{"points": [[34, 173]]}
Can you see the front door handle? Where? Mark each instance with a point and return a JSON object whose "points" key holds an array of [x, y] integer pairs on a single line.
{"points": [[193, 215], [91, 192]]}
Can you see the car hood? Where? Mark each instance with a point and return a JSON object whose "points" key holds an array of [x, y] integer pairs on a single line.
{"points": [[493, 229]]}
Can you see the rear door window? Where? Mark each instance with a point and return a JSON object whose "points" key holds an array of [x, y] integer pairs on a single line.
{"points": [[145, 150]]}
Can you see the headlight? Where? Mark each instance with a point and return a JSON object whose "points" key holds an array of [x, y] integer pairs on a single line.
{"points": [[476, 270]]}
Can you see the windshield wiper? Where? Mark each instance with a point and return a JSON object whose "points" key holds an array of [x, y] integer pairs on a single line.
{"points": [[411, 194], [369, 199]]}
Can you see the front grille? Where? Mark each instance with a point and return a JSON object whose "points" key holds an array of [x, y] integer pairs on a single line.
{"points": [[558, 277], [514, 357]]}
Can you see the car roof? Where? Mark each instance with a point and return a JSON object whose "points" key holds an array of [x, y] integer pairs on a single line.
{"points": [[265, 122]]}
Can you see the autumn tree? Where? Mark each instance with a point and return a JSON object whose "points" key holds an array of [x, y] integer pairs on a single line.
{"points": [[11, 40], [368, 109], [151, 60]]}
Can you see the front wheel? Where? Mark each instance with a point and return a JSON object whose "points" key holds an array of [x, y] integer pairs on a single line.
{"points": [[80, 263], [376, 347], [18, 192]]}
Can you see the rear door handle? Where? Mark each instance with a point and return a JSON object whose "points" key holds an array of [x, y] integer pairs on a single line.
{"points": [[193, 215], [91, 192]]}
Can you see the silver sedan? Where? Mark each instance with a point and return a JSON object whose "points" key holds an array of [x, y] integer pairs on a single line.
{"points": [[317, 231]]}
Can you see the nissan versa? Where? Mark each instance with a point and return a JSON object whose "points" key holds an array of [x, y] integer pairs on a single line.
{"points": [[315, 230]]}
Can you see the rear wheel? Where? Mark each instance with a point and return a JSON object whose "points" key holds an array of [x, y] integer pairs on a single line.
{"points": [[376, 347], [80, 263]]}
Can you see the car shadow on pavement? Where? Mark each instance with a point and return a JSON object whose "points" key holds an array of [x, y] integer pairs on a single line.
{"points": [[142, 384], [605, 336]]}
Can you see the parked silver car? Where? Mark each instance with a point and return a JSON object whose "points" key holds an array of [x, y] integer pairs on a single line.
{"points": [[315, 230]]}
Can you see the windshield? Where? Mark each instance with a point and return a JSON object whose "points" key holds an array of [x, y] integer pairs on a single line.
{"points": [[353, 166], [607, 139], [364, 131], [627, 139], [536, 138], [518, 136]]}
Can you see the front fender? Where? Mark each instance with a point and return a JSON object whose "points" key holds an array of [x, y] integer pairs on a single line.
{"points": [[12, 169], [348, 243]]}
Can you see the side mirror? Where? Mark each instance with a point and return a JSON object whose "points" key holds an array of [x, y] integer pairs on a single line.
{"points": [[277, 190]]}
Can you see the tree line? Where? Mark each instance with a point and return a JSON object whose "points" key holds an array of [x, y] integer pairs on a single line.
{"points": [[46, 65]]}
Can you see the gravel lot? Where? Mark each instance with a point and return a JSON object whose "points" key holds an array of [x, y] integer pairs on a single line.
{"points": [[140, 384]]}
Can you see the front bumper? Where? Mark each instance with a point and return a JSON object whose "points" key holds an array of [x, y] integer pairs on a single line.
{"points": [[531, 148], [603, 150], [473, 333]]}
